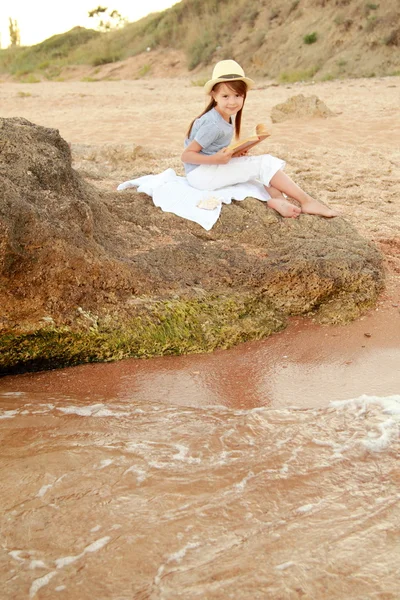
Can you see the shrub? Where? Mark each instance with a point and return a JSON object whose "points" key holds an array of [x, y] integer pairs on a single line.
{"points": [[294, 76], [201, 51], [30, 78], [310, 38], [106, 58], [199, 82], [144, 70]]}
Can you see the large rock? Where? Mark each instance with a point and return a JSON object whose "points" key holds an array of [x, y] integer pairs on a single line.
{"points": [[300, 107], [87, 275]]}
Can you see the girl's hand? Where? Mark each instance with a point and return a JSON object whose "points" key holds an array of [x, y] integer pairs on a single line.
{"points": [[222, 157], [242, 153]]}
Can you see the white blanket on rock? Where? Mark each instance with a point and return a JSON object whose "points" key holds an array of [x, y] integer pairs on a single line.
{"points": [[174, 194]]}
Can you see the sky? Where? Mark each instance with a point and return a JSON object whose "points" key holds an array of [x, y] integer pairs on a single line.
{"points": [[40, 19]]}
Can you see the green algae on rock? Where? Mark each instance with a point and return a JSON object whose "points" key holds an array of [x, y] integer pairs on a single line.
{"points": [[87, 275], [162, 328]]}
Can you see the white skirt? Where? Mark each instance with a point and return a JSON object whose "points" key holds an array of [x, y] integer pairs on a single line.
{"points": [[238, 170]]}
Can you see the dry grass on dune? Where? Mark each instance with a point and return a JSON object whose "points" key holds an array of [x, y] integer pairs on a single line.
{"points": [[290, 40]]}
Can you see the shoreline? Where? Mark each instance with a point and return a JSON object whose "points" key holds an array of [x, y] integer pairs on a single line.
{"points": [[306, 365]]}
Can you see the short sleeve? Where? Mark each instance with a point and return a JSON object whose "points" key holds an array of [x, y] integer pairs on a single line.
{"points": [[206, 134]]}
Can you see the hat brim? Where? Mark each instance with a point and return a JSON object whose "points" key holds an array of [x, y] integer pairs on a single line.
{"points": [[210, 84]]}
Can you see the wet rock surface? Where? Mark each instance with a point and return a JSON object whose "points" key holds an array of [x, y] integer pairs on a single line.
{"points": [[77, 259]]}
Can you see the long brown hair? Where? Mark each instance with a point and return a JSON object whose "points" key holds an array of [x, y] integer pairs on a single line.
{"points": [[237, 86]]}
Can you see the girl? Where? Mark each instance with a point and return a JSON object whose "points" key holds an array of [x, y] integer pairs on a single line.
{"points": [[209, 164]]}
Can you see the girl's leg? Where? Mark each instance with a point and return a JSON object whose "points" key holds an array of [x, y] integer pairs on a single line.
{"points": [[240, 170], [280, 204], [283, 183]]}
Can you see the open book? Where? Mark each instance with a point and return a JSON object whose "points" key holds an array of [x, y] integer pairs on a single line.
{"points": [[260, 133]]}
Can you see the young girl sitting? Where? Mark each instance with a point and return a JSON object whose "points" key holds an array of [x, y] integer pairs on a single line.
{"points": [[209, 164]]}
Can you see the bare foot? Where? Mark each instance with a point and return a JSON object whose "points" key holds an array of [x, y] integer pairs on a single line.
{"points": [[284, 208], [313, 207]]}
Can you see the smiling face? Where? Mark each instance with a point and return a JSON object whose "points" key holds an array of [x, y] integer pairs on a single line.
{"points": [[228, 100]]}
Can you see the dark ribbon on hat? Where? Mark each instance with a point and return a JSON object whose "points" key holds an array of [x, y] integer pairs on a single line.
{"points": [[231, 76]]}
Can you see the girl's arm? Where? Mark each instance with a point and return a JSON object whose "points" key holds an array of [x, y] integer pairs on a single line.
{"points": [[192, 155]]}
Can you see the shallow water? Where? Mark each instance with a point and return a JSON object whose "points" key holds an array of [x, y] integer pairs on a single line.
{"points": [[129, 499], [244, 474]]}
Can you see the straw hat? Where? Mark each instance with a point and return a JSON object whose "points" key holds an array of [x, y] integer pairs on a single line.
{"points": [[227, 70]]}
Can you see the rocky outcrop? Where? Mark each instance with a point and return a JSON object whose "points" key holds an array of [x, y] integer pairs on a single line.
{"points": [[87, 275], [300, 107]]}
